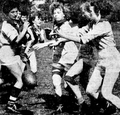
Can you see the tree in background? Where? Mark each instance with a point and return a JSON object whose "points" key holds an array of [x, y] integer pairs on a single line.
{"points": [[72, 4]]}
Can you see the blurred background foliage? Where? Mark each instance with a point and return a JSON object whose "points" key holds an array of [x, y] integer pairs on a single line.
{"points": [[29, 6]]}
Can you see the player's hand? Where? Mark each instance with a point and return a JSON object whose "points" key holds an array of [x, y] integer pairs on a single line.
{"points": [[55, 43], [26, 25], [105, 34], [58, 33], [39, 46], [52, 34]]}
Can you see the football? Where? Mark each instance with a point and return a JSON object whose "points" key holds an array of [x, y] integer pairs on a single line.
{"points": [[29, 79]]}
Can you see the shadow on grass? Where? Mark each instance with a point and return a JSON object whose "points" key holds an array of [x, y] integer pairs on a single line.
{"points": [[22, 112], [26, 112], [69, 102]]}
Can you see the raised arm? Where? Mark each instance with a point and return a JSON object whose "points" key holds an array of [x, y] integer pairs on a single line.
{"points": [[22, 33], [29, 43], [85, 34], [101, 29], [73, 35]]}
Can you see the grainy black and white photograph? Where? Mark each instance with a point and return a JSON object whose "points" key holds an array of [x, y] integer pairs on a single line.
{"points": [[59, 57]]}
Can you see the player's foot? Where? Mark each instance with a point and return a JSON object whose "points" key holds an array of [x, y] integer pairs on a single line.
{"points": [[110, 109], [12, 108]]}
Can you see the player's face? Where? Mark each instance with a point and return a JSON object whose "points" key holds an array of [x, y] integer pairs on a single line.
{"points": [[18, 15], [58, 14], [38, 20], [90, 15], [13, 14], [24, 18], [86, 14]]}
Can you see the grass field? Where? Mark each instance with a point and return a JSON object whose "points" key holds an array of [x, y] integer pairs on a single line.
{"points": [[40, 101]]}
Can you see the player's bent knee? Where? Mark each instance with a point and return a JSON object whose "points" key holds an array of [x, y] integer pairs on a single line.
{"points": [[91, 92], [105, 94], [88, 90], [57, 71], [56, 79], [70, 80]]}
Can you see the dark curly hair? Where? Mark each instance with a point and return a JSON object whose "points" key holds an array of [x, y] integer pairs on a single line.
{"points": [[9, 5], [56, 5]]}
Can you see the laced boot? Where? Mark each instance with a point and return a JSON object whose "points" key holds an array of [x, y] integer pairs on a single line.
{"points": [[110, 109], [84, 108], [12, 107], [105, 107], [59, 107], [94, 105], [81, 106]]}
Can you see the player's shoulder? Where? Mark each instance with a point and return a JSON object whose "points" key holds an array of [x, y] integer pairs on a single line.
{"points": [[6, 26], [104, 22], [65, 26]]}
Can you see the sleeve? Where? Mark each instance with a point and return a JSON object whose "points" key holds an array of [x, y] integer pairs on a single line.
{"points": [[81, 32], [10, 31], [101, 29]]}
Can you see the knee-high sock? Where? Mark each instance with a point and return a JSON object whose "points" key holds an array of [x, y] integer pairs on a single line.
{"points": [[14, 94]]}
